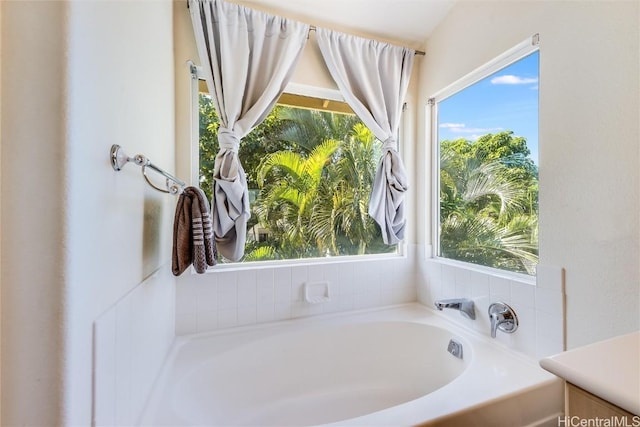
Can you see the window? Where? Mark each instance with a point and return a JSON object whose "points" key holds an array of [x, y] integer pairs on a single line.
{"points": [[310, 166], [486, 134]]}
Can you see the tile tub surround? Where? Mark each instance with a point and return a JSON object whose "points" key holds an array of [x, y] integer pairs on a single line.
{"points": [[131, 341], [539, 306], [236, 297]]}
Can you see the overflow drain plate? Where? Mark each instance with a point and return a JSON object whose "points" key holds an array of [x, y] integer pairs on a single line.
{"points": [[455, 348]]}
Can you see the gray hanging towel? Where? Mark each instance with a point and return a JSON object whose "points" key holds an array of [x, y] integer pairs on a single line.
{"points": [[193, 241]]}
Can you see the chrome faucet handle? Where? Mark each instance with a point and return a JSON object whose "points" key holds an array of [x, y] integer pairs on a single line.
{"points": [[502, 317]]}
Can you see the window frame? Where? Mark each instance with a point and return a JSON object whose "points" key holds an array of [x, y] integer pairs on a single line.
{"points": [[197, 75], [516, 53]]}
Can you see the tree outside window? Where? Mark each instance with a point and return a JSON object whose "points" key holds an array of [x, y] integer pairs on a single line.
{"points": [[309, 174]]}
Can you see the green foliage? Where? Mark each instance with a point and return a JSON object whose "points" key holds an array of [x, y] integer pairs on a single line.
{"points": [[489, 202], [261, 253], [314, 171], [252, 147]]}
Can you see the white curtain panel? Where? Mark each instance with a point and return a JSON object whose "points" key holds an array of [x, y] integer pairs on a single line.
{"points": [[248, 58], [373, 77]]}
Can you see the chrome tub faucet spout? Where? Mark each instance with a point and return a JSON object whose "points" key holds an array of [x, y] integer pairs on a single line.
{"points": [[464, 305]]}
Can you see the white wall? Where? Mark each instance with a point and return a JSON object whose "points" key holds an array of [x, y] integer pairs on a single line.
{"points": [[32, 211], [83, 237], [589, 133], [120, 67]]}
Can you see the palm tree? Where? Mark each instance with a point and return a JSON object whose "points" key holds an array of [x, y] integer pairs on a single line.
{"points": [[308, 128], [287, 199], [483, 219], [342, 221], [317, 204]]}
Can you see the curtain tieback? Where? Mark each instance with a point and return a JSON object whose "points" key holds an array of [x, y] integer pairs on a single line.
{"points": [[390, 144], [228, 140]]}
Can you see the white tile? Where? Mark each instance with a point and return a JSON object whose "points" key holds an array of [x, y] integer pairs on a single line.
{"points": [[463, 277], [247, 316], [332, 306], [207, 321], [282, 276], [282, 291], [346, 302], [299, 274], [227, 295], [282, 310], [247, 279], [391, 275], [247, 290], [297, 291], [332, 275], [387, 297], [424, 296], [500, 289], [207, 296], [480, 286], [303, 309], [404, 295], [265, 276], [448, 276], [265, 313], [524, 338], [549, 334], [367, 278], [407, 274], [367, 300], [479, 283], [548, 301], [425, 251], [346, 274], [523, 294], [265, 293], [315, 272], [105, 369], [549, 277], [433, 280], [463, 288], [186, 297], [227, 318], [298, 277], [482, 323], [227, 277], [186, 324], [124, 347]]}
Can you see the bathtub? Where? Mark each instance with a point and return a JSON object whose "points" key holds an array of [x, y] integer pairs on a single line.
{"points": [[385, 367]]}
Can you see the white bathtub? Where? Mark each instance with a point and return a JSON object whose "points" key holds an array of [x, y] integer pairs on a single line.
{"points": [[381, 367]]}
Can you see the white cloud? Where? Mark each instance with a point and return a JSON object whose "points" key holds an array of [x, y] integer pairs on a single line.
{"points": [[462, 128], [452, 125], [509, 79]]}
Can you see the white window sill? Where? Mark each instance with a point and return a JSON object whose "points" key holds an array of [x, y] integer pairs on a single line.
{"points": [[258, 265]]}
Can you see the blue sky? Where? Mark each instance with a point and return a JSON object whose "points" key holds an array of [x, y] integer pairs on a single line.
{"points": [[505, 100]]}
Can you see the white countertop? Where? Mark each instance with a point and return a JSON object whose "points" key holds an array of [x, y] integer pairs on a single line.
{"points": [[609, 369]]}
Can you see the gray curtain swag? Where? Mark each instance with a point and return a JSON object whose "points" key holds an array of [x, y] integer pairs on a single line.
{"points": [[374, 77], [248, 58]]}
